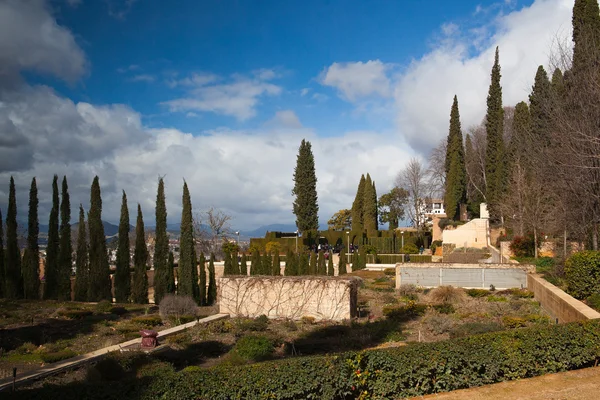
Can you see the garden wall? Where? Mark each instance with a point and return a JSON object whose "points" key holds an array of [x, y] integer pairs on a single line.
{"points": [[559, 304], [502, 276], [323, 298]]}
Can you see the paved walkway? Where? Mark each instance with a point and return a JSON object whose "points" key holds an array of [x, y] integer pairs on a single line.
{"points": [[70, 363], [583, 384]]}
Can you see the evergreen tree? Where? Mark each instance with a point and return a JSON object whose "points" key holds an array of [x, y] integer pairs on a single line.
{"points": [[99, 278], [342, 263], [358, 207], [187, 263], [171, 289], [330, 269], [162, 278], [122, 276], [31, 263], [13, 281], [557, 85], [306, 208], [291, 267], [195, 284], [276, 264], [2, 266], [51, 268], [539, 108], [369, 213], [312, 265], [303, 264], [267, 264], [455, 192], [202, 285], [520, 143], [494, 158], [586, 33], [82, 268], [321, 266], [244, 265], [255, 263], [211, 295], [139, 290], [65, 249], [227, 266]]}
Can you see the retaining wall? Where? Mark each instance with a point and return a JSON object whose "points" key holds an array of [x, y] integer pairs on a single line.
{"points": [[323, 298], [562, 306]]}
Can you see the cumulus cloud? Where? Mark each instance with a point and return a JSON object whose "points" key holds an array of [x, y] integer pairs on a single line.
{"points": [[354, 80], [285, 119], [143, 78]]}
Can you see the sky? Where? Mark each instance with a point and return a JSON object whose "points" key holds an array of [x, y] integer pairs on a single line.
{"points": [[221, 93]]}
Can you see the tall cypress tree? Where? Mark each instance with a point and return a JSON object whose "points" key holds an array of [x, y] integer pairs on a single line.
{"points": [[255, 263], [557, 85], [455, 192], [369, 207], [65, 248], [99, 279], [187, 262], [494, 156], [540, 101], [586, 33], [31, 263], [306, 208], [290, 267], [14, 283], [202, 287], [520, 143], [303, 264], [139, 290], [244, 265], [321, 266], [51, 268], [162, 279], [312, 265], [82, 267], [330, 270], [342, 263], [211, 295], [122, 274], [171, 273], [267, 264], [227, 266], [276, 264], [358, 207], [2, 266]]}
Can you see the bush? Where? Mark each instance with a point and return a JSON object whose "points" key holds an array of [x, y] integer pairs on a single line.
{"points": [[254, 348], [434, 245], [405, 313], [445, 308], [52, 357], [74, 314], [103, 306], [582, 273], [497, 299], [147, 321], [514, 322], [409, 248], [258, 324], [523, 246], [173, 307], [477, 292], [474, 328], [408, 289], [447, 294], [439, 323], [594, 301], [521, 293]]}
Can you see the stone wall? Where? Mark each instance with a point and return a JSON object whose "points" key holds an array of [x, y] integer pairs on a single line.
{"points": [[323, 298], [559, 304]]}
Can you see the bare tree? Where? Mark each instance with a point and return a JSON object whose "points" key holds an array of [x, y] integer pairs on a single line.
{"points": [[211, 228], [415, 179], [475, 163], [437, 169]]}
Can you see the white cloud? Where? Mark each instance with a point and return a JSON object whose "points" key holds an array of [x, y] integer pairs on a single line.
{"points": [[132, 67], [285, 119], [355, 80], [304, 92], [449, 28], [143, 78], [195, 79]]}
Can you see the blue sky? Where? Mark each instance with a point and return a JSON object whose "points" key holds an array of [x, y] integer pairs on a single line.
{"points": [[220, 93]]}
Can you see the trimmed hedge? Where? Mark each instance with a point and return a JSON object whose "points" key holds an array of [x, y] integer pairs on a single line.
{"points": [[582, 271], [414, 370]]}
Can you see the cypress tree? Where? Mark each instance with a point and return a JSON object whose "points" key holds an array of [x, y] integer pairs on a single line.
{"points": [[586, 32], [31, 263], [303, 268], [255, 261], [539, 108], [187, 263], [455, 192], [291, 268], [211, 295], [312, 265], [369, 213], [99, 278], [330, 270], [520, 143], [195, 285], [65, 249], [227, 266], [342, 263], [14, 285], [51, 269], [358, 207], [557, 85], [306, 208], [171, 274], [82, 268], [322, 266], [122, 275], [139, 291], [276, 264], [2, 266], [202, 286], [267, 264], [162, 278], [244, 265], [494, 156]]}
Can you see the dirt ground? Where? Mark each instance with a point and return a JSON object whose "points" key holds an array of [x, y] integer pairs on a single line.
{"points": [[583, 384]]}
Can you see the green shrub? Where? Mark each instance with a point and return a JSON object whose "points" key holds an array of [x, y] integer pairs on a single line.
{"points": [[52, 357], [497, 299], [420, 258], [103, 306], [514, 322], [108, 369], [538, 319], [390, 271], [523, 246], [74, 314], [118, 310], [409, 248], [594, 301], [254, 348], [258, 324], [148, 321], [474, 328], [445, 308], [521, 293], [582, 273], [26, 348], [544, 265], [180, 319], [477, 292], [405, 313]]}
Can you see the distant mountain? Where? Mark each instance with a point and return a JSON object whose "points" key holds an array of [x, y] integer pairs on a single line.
{"points": [[260, 232]]}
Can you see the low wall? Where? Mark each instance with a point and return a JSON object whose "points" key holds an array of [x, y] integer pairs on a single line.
{"points": [[324, 298], [502, 276], [562, 307]]}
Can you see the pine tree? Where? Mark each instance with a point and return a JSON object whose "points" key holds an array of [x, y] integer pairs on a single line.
{"points": [[369, 213], [303, 264], [494, 157], [291, 268], [211, 295], [99, 278], [539, 108], [255, 263], [65, 249], [276, 264], [330, 269], [306, 208], [2, 266], [82, 268], [139, 290], [244, 265], [202, 285], [358, 207], [267, 264], [51, 268], [455, 192], [321, 266], [187, 263], [171, 273], [162, 278], [342, 263], [13, 281], [31, 263], [122, 276]]}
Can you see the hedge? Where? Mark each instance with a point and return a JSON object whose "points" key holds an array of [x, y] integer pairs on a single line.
{"points": [[582, 272], [414, 370]]}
